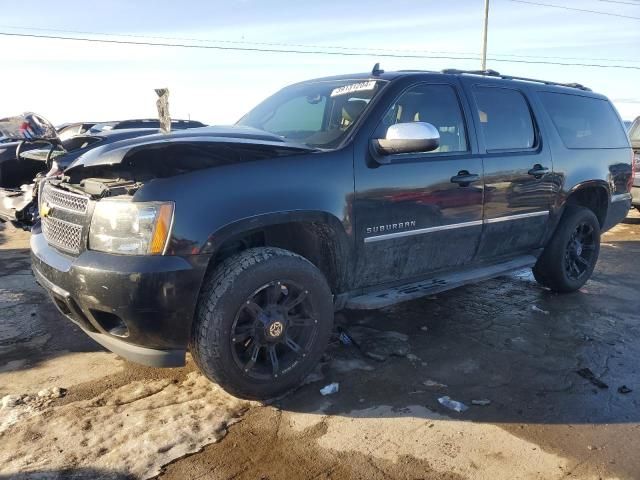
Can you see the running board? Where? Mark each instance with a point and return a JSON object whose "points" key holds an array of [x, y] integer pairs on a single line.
{"points": [[410, 291]]}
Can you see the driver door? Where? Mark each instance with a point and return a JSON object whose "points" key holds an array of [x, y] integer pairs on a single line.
{"points": [[413, 214]]}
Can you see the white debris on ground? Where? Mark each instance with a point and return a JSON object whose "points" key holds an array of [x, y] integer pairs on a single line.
{"points": [[535, 308], [136, 428], [330, 389], [433, 384], [451, 404]]}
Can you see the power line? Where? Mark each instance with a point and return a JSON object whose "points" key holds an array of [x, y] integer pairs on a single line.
{"points": [[636, 4], [303, 52], [233, 42], [371, 51], [575, 9]]}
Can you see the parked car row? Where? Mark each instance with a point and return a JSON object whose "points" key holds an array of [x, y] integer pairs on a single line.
{"points": [[25, 160]]}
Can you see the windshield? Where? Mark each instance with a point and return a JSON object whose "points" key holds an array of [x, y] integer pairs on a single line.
{"points": [[319, 114]]}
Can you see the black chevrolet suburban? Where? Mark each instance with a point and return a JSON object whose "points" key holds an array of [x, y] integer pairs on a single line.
{"points": [[359, 191]]}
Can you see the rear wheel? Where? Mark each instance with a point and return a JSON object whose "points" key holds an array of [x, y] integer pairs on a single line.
{"points": [[263, 320], [570, 257]]}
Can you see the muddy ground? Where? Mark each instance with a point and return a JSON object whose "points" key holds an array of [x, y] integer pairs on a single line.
{"points": [[72, 410]]}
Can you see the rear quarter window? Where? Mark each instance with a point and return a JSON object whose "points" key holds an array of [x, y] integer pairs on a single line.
{"points": [[584, 122], [505, 119]]}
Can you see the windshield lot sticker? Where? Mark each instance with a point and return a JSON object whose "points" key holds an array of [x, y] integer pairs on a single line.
{"points": [[354, 87]]}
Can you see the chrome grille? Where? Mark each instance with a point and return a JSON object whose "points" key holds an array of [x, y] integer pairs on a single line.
{"points": [[63, 215], [63, 235], [71, 202]]}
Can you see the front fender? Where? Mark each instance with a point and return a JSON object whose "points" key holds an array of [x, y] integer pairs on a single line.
{"points": [[215, 204], [257, 222]]}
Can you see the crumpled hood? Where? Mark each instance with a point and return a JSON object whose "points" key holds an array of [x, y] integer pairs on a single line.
{"points": [[114, 153]]}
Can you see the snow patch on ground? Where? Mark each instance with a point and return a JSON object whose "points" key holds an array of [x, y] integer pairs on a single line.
{"points": [[136, 428], [10, 415]]}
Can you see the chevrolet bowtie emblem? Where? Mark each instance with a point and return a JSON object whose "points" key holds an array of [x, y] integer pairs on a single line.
{"points": [[45, 210]]}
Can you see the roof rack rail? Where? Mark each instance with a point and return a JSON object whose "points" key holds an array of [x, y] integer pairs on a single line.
{"points": [[493, 73]]}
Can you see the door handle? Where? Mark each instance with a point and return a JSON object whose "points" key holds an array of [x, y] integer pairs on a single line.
{"points": [[538, 170], [464, 178]]}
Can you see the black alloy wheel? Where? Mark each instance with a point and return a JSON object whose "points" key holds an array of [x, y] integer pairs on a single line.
{"points": [[579, 254], [263, 320], [570, 256], [273, 330]]}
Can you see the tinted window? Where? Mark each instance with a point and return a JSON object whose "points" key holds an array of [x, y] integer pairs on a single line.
{"points": [[434, 104], [584, 122], [505, 119], [297, 114]]}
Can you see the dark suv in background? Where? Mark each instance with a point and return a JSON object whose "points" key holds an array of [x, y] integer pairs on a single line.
{"points": [[357, 191]]}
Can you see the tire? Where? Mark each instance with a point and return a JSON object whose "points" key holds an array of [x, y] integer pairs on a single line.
{"points": [[246, 305], [567, 263]]}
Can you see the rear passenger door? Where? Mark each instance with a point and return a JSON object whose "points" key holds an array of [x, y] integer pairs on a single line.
{"points": [[519, 186]]}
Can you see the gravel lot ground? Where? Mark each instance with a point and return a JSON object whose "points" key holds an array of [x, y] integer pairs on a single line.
{"points": [[506, 340]]}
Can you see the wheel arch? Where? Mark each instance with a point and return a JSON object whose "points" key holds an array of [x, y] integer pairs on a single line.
{"points": [[591, 194], [318, 236]]}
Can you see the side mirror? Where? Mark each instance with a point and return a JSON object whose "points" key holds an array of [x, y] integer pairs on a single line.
{"points": [[412, 137], [29, 127]]}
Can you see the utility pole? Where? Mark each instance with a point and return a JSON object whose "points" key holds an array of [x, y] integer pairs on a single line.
{"points": [[484, 34]]}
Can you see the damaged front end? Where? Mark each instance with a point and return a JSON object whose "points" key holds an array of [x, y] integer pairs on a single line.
{"points": [[111, 246], [23, 164], [17, 206], [118, 181]]}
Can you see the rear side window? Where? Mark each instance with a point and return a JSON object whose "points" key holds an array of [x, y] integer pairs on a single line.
{"points": [[505, 119], [584, 122]]}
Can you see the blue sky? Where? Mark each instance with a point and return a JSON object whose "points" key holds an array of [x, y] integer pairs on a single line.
{"points": [[68, 81]]}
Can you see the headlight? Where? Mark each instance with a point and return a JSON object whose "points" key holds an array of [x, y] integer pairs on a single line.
{"points": [[131, 228]]}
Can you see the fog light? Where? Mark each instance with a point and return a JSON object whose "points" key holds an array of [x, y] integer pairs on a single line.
{"points": [[111, 323]]}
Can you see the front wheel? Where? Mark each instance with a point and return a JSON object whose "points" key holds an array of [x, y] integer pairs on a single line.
{"points": [[263, 320], [568, 260]]}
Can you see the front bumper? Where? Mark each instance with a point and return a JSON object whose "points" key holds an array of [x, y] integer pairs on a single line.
{"points": [[153, 296]]}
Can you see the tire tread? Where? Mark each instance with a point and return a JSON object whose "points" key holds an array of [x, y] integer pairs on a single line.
{"points": [[549, 270], [222, 279]]}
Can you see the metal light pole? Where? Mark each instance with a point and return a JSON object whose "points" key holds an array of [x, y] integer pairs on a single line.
{"points": [[484, 34]]}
